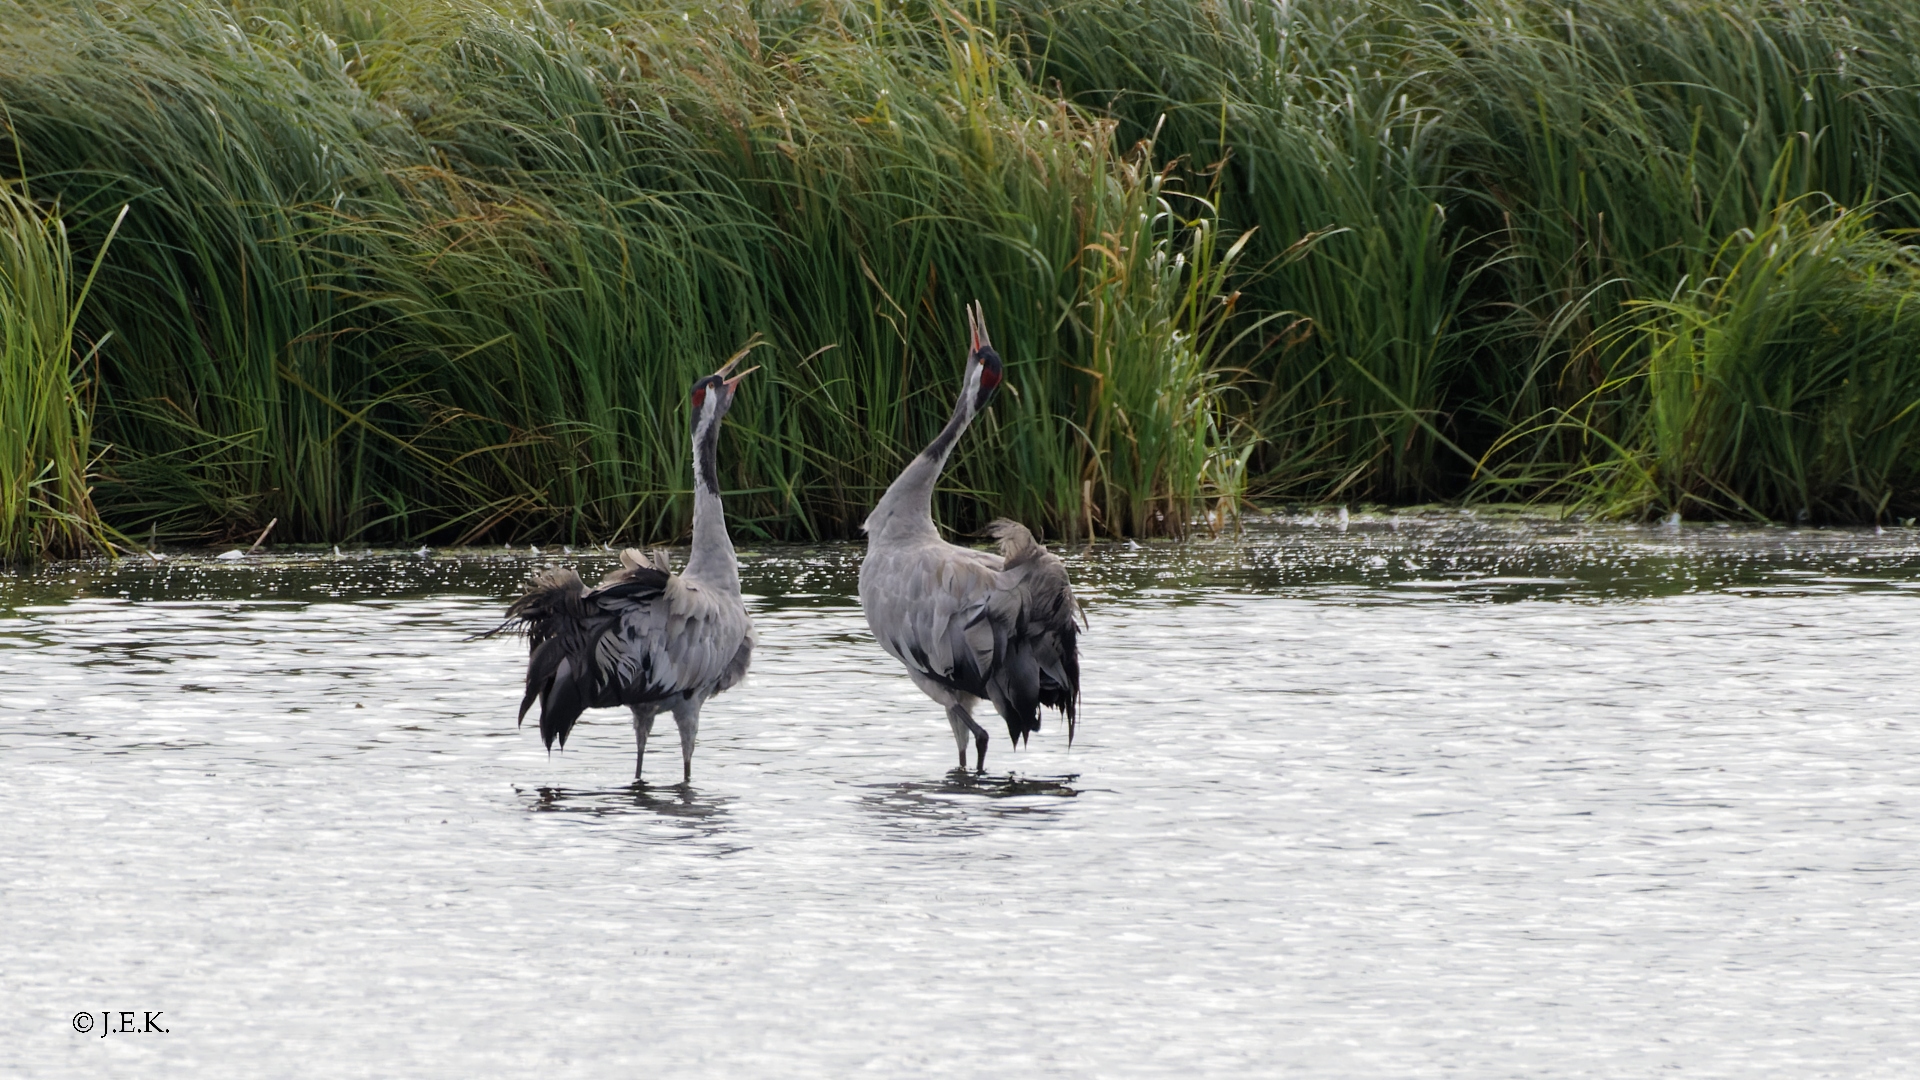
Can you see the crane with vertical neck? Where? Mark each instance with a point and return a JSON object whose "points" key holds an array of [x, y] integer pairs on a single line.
{"points": [[645, 637]]}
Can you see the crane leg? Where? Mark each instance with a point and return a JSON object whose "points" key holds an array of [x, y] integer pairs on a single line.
{"points": [[963, 725], [686, 717], [957, 719], [642, 729]]}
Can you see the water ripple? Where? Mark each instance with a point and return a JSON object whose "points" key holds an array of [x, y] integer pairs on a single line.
{"points": [[1424, 797]]}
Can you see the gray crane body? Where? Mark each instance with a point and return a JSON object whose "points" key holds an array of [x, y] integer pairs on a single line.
{"points": [[970, 625], [645, 638]]}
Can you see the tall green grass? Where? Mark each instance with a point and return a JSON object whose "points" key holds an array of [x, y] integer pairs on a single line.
{"points": [[1630, 141], [409, 270], [46, 504], [452, 279], [1324, 126], [1783, 383], [1454, 202]]}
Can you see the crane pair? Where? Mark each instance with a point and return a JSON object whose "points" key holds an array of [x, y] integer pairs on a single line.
{"points": [[968, 625]]}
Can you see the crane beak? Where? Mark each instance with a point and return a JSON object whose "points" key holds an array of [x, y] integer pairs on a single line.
{"points": [[733, 384], [977, 327], [735, 361]]}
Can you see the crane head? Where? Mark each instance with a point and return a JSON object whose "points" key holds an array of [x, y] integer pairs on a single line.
{"points": [[719, 388], [983, 357]]}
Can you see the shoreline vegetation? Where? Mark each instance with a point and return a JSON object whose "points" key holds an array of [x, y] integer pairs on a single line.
{"points": [[443, 271]]}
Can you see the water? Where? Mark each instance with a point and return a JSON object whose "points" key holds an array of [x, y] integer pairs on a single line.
{"points": [[1417, 798]]}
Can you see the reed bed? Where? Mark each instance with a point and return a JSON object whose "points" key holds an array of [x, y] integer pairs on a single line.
{"points": [[443, 271], [46, 504]]}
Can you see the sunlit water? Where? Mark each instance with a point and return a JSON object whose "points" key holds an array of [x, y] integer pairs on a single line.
{"points": [[1421, 798]]}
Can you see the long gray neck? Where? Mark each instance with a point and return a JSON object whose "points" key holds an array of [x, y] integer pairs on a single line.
{"points": [[906, 510], [712, 560]]}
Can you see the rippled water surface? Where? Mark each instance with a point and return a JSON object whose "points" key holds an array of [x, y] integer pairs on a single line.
{"points": [[1417, 798]]}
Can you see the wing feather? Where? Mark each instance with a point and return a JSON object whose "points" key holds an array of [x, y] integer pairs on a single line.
{"points": [[1000, 627], [642, 635]]}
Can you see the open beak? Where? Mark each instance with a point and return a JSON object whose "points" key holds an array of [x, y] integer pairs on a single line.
{"points": [[733, 384], [977, 327], [735, 360]]}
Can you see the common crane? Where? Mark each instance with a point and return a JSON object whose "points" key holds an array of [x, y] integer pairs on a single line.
{"points": [[970, 625], [645, 637]]}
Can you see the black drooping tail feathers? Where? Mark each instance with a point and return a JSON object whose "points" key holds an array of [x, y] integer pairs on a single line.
{"points": [[565, 625], [1039, 661]]}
